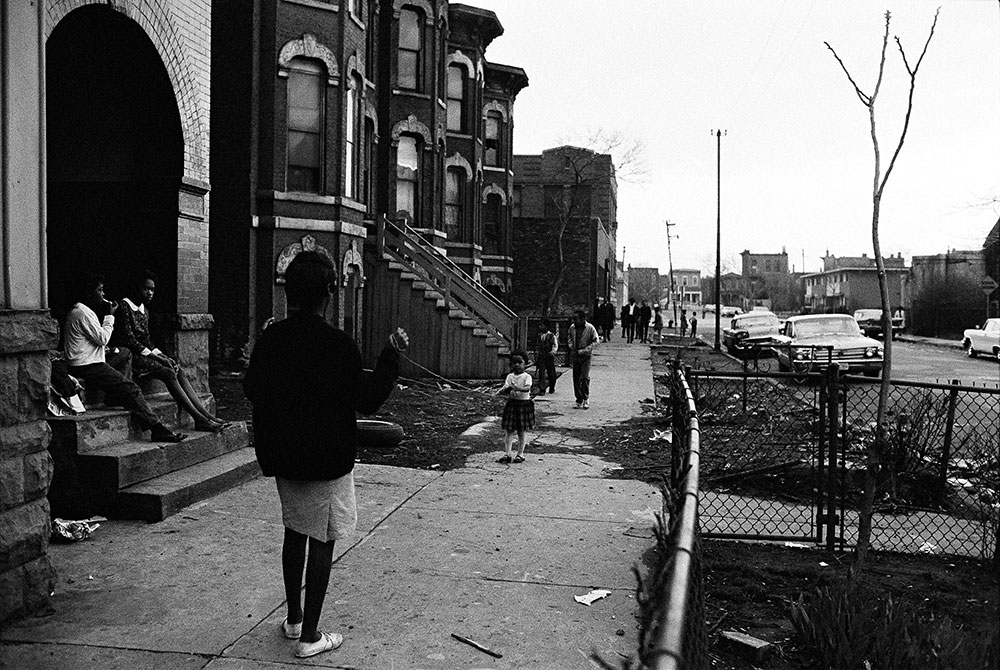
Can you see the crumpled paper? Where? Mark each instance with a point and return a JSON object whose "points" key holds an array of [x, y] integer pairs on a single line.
{"points": [[588, 598], [74, 531]]}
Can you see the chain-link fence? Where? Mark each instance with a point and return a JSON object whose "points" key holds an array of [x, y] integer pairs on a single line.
{"points": [[674, 634], [938, 477], [769, 438]]}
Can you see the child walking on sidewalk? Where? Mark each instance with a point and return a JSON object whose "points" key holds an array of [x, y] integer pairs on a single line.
{"points": [[519, 412]]}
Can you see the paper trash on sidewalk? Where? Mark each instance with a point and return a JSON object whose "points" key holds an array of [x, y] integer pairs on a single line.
{"points": [[596, 594], [74, 531]]}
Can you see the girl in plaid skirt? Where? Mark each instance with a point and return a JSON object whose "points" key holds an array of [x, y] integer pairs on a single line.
{"points": [[519, 413]]}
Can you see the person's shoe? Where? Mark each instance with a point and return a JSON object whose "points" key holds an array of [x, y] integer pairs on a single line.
{"points": [[552, 390], [326, 642], [578, 405], [586, 404], [208, 427], [519, 459], [291, 630], [504, 459]]}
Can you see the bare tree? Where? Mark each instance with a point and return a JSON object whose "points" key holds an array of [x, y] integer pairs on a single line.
{"points": [[587, 166], [877, 447]]}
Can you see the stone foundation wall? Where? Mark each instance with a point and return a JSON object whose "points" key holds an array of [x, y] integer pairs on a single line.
{"points": [[26, 575]]}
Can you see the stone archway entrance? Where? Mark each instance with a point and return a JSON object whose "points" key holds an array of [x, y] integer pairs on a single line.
{"points": [[115, 157]]}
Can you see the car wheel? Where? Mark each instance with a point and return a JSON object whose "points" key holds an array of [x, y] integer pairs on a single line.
{"points": [[379, 433], [969, 350]]}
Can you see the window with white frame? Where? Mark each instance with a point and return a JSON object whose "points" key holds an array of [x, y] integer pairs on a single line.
{"points": [[407, 176], [456, 98], [492, 134], [453, 210], [351, 139], [306, 106], [408, 75]]}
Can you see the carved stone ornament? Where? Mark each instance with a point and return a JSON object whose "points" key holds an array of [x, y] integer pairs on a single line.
{"points": [[411, 126], [308, 47], [493, 189], [459, 161], [308, 243], [495, 106]]}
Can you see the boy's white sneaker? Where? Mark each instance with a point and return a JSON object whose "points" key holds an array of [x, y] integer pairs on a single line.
{"points": [[586, 404]]}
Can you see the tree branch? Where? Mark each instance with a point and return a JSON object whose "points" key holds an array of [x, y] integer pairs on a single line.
{"points": [[865, 100]]}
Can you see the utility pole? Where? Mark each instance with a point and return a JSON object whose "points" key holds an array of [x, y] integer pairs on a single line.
{"points": [[670, 260], [718, 237]]}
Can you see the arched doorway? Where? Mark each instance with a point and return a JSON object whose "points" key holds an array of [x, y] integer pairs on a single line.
{"points": [[115, 157]]}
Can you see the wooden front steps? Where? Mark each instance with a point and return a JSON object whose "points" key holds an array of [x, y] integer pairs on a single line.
{"points": [[104, 464]]}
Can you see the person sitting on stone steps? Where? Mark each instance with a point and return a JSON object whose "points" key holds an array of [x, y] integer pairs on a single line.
{"points": [[86, 334], [132, 332]]}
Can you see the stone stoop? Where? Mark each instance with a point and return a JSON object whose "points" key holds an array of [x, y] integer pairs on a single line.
{"points": [[104, 464]]}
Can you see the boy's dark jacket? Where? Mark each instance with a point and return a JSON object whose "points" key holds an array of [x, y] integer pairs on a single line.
{"points": [[306, 383]]}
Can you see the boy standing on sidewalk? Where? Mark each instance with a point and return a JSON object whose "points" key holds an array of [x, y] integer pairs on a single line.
{"points": [[581, 341], [545, 358]]}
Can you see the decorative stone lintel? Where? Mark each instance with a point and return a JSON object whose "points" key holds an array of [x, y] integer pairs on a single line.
{"points": [[25, 331], [189, 321]]}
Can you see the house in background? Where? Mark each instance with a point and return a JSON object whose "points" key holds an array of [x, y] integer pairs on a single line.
{"points": [[943, 293], [573, 190], [688, 286], [850, 283]]}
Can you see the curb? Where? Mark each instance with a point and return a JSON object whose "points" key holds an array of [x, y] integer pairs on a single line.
{"points": [[929, 342]]}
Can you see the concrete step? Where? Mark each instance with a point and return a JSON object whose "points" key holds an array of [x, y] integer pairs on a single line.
{"points": [[100, 426], [160, 497], [119, 465]]}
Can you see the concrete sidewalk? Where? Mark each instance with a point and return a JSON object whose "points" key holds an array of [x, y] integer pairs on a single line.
{"points": [[491, 552]]}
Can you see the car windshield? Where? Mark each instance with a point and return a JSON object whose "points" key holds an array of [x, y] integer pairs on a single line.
{"points": [[757, 320], [862, 314], [835, 325]]}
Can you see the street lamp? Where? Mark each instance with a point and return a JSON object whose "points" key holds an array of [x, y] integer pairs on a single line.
{"points": [[718, 236], [670, 260]]}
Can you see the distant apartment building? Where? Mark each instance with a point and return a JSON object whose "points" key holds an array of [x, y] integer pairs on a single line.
{"points": [[730, 289], [687, 285], [851, 282], [574, 190], [760, 265]]}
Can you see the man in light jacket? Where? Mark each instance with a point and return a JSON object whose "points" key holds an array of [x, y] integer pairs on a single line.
{"points": [[582, 340]]}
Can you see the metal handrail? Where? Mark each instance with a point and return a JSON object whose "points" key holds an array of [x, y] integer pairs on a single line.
{"points": [[456, 284], [667, 652], [412, 235]]}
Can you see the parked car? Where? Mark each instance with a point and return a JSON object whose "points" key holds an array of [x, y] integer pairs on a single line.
{"points": [[870, 321], [811, 342], [756, 328], [985, 340]]}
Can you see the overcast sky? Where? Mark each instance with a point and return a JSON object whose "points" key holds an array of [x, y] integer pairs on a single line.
{"points": [[797, 159]]}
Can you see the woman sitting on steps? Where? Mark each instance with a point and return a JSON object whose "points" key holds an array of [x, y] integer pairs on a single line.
{"points": [[132, 331]]}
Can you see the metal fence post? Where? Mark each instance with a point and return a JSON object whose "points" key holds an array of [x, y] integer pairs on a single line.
{"points": [[949, 429], [823, 496], [833, 375]]}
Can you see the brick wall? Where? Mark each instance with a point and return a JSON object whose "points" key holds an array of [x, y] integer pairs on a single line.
{"points": [[535, 254]]}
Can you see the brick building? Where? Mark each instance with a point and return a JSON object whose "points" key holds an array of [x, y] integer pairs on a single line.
{"points": [[106, 162], [849, 283], [324, 116], [575, 189], [350, 111], [942, 293], [688, 286]]}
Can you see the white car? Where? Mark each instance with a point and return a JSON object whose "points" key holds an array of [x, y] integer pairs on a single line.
{"points": [[985, 340], [757, 328], [812, 342]]}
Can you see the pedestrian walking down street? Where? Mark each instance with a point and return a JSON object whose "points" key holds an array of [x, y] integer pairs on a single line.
{"points": [[306, 383], [684, 323], [624, 319], [607, 320], [519, 412], [632, 318], [658, 323], [694, 326], [645, 314], [545, 357], [581, 341]]}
